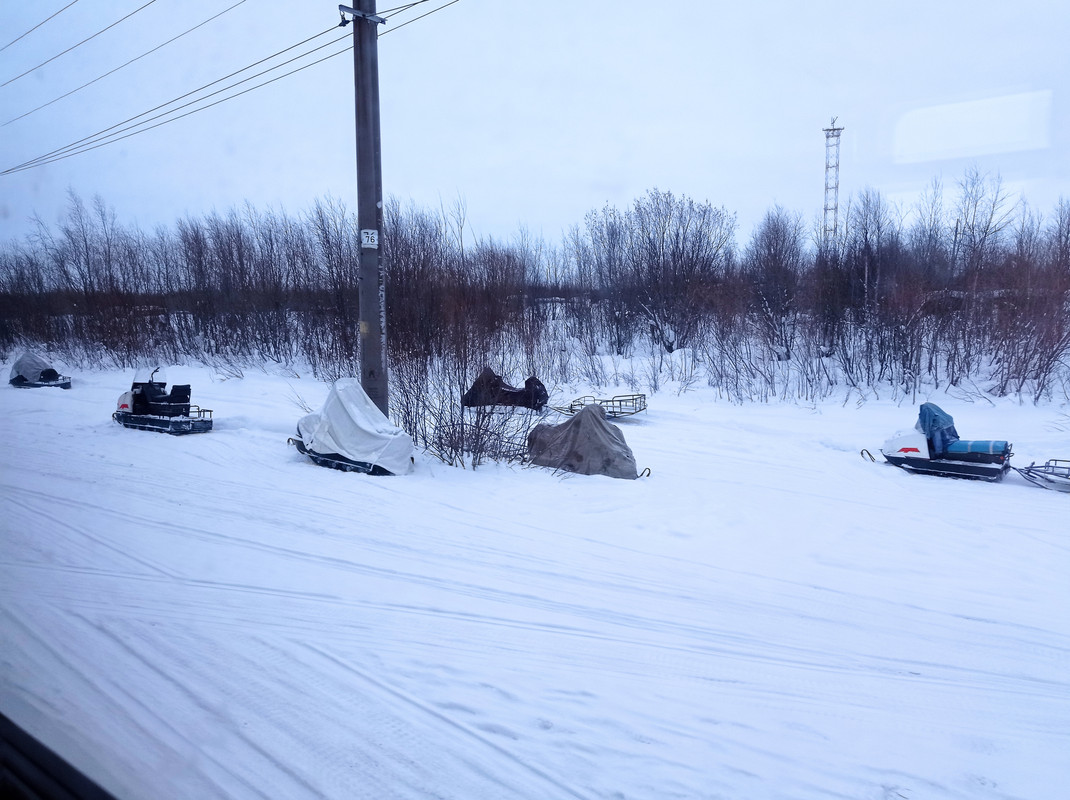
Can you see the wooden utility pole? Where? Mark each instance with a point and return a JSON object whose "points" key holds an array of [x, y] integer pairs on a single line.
{"points": [[372, 309]]}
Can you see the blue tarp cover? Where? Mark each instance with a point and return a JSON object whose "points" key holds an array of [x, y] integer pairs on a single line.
{"points": [[938, 427]]}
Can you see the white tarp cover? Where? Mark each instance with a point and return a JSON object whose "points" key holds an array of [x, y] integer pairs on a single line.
{"points": [[351, 425], [30, 366]]}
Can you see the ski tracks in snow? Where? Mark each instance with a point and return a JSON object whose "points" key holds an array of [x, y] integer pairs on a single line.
{"points": [[214, 616]]}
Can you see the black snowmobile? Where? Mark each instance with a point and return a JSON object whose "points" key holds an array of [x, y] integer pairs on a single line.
{"points": [[490, 389], [31, 371], [934, 448], [148, 406]]}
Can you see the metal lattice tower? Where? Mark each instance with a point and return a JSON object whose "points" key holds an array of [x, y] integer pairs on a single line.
{"points": [[832, 184]]}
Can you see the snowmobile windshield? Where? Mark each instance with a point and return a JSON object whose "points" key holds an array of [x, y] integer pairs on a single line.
{"points": [[142, 375]]}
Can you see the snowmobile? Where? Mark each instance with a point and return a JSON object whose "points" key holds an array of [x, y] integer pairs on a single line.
{"points": [[31, 371], [148, 406], [351, 434], [490, 389], [934, 448], [1053, 474]]}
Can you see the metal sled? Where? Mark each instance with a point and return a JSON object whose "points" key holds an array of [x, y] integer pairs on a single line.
{"points": [[621, 405], [1053, 474]]}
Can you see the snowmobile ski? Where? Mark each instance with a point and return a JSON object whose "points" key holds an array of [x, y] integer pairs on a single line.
{"points": [[337, 461]]}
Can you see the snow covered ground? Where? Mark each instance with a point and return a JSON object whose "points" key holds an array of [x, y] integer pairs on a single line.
{"points": [[766, 616]]}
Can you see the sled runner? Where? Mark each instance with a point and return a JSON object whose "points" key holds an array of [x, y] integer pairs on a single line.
{"points": [[934, 448], [148, 406], [31, 371], [1054, 474]]}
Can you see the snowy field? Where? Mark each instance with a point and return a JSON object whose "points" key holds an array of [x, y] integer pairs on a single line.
{"points": [[766, 616]]}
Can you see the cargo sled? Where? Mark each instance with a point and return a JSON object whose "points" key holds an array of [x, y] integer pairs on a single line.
{"points": [[149, 406], [620, 405], [31, 371], [934, 448], [1053, 474], [351, 434]]}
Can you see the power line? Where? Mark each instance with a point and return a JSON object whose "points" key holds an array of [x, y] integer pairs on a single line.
{"points": [[392, 12], [72, 47], [414, 19], [41, 162], [38, 25], [127, 64], [98, 134], [97, 140], [108, 135]]}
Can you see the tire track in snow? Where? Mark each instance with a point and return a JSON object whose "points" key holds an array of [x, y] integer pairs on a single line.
{"points": [[444, 719], [113, 697], [690, 640]]}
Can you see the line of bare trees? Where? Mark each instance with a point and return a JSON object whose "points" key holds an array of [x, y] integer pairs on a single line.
{"points": [[968, 287]]}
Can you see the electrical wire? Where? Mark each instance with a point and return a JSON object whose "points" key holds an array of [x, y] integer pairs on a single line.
{"points": [[414, 19], [127, 64], [97, 140], [72, 47], [393, 12], [111, 134], [174, 119], [99, 134], [38, 25]]}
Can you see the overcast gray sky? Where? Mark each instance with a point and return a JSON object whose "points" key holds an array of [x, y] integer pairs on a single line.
{"points": [[534, 113]]}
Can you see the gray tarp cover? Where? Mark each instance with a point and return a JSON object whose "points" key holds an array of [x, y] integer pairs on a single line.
{"points": [[586, 444], [29, 366]]}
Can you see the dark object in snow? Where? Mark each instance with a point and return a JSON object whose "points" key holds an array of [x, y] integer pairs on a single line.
{"points": [[30, 371], [1054, 474], [934, 448], [148, 406], [490, 389], [30, 769], [586, 444], [620, 405], [351, 434]]}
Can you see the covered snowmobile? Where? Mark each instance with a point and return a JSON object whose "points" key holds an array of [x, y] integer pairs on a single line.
{"points": [[934, 448], [350, 433], [148, 406], [491, 389], [587, 444], [31, 371]]}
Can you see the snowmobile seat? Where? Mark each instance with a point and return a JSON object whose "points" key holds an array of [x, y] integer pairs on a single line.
{"points": [[979, 450], [964, 446], [180, 400]]}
